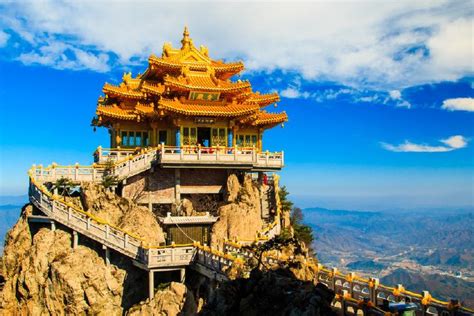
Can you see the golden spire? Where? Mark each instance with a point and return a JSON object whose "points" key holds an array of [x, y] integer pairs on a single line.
{"points": [[186, 41]]}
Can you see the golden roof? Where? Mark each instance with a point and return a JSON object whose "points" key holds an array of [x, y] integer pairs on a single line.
{"points": [[116, 112], [265, 118], [186, 81], [205, 82], [190, 56], [221, 109], [122, 91], [263, 99]]}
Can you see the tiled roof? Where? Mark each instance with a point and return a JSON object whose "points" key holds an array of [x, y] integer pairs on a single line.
{"points": [[153, 88], [122, 91], [263, 99], [207, 109], [265, 118], [115, 112], [204, 82]]}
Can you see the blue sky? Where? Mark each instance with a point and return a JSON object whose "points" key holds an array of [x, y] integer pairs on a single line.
{"points": [[381, 107]]}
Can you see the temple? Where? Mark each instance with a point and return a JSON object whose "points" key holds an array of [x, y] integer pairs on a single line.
{"points": [[186, 99], [200, 126]]}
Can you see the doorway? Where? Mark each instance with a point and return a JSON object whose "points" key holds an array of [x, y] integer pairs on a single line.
{"points": [[204, 136]]}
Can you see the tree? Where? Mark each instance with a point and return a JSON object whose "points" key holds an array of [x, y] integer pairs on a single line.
{"points": [[109, 179], [302, 231], [63, 185], [296, 216], [286, 205]]}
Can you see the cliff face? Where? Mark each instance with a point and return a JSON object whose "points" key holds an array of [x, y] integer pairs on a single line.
{"points": [[121, 212], [241, 217], [44, 275]]}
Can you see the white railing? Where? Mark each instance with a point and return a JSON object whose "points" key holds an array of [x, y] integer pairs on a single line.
{"points": [[197, 155], [223, 155], [75, 173], [108, 235]]}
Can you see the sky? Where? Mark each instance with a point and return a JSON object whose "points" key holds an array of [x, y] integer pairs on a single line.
{"points": [[379, 94]]}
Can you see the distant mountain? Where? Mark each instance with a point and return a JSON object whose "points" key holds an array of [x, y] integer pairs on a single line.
{"points": [[440, 286], [13, 199]]}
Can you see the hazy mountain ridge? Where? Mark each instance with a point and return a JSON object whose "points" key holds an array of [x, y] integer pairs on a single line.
{"points": [[421, 250]]}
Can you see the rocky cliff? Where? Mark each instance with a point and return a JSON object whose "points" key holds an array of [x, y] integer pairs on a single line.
{"points": [[121, 212], [241, 216], [44, 275]]}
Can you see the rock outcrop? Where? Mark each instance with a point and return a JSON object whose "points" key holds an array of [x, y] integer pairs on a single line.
{"points": [[241, 217], [122, 213], [44, 275], [174, 299], [274, 292]]}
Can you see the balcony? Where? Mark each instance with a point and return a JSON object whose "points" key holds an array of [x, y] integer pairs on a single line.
{"points": [[200, 157]]}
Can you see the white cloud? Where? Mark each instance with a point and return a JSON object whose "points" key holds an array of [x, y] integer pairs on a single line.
{"points": [[63, 56], [450, 144], [399, 44], [294, 93], [459, 104], [395, 94], [3, 38]]}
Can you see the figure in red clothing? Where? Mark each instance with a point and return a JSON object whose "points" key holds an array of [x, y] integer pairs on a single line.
{"points": [[265, 179]]}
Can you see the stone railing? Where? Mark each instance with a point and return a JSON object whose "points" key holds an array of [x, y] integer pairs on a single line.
{"points": [[108, 235], [354, 294], [198, 155], [122, 241], [360, 296], [124, 168]]}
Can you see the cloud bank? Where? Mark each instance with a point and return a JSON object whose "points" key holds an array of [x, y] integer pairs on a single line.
{"points": [[450, 144], [379, 45]]}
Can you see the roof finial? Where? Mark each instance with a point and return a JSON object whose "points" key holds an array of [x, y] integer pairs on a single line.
{"points": [[186, 41]]}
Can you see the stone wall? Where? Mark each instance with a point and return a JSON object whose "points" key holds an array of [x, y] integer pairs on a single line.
{"points": [[158, 187]]}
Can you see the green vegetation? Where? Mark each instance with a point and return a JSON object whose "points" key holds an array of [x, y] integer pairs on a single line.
{"points": [[302, 232], [64, 186], [109, 179]]}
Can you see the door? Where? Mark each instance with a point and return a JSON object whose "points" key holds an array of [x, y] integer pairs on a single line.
{"points": [[204, 136], [163, 137]]}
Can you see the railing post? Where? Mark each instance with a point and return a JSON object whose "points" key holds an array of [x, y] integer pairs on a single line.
{"points": [[69, 213], [235, 153], [53, 170], [199, 152], [162, 150], [107, 231], [125, 241], [373, 285], [333, 283], [266, 157], [88, 223], [76, 171]]}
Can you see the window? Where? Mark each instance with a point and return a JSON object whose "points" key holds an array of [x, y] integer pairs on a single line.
{"points": [[246, 140], [135, 139], [218, 137], [189, 136]]}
